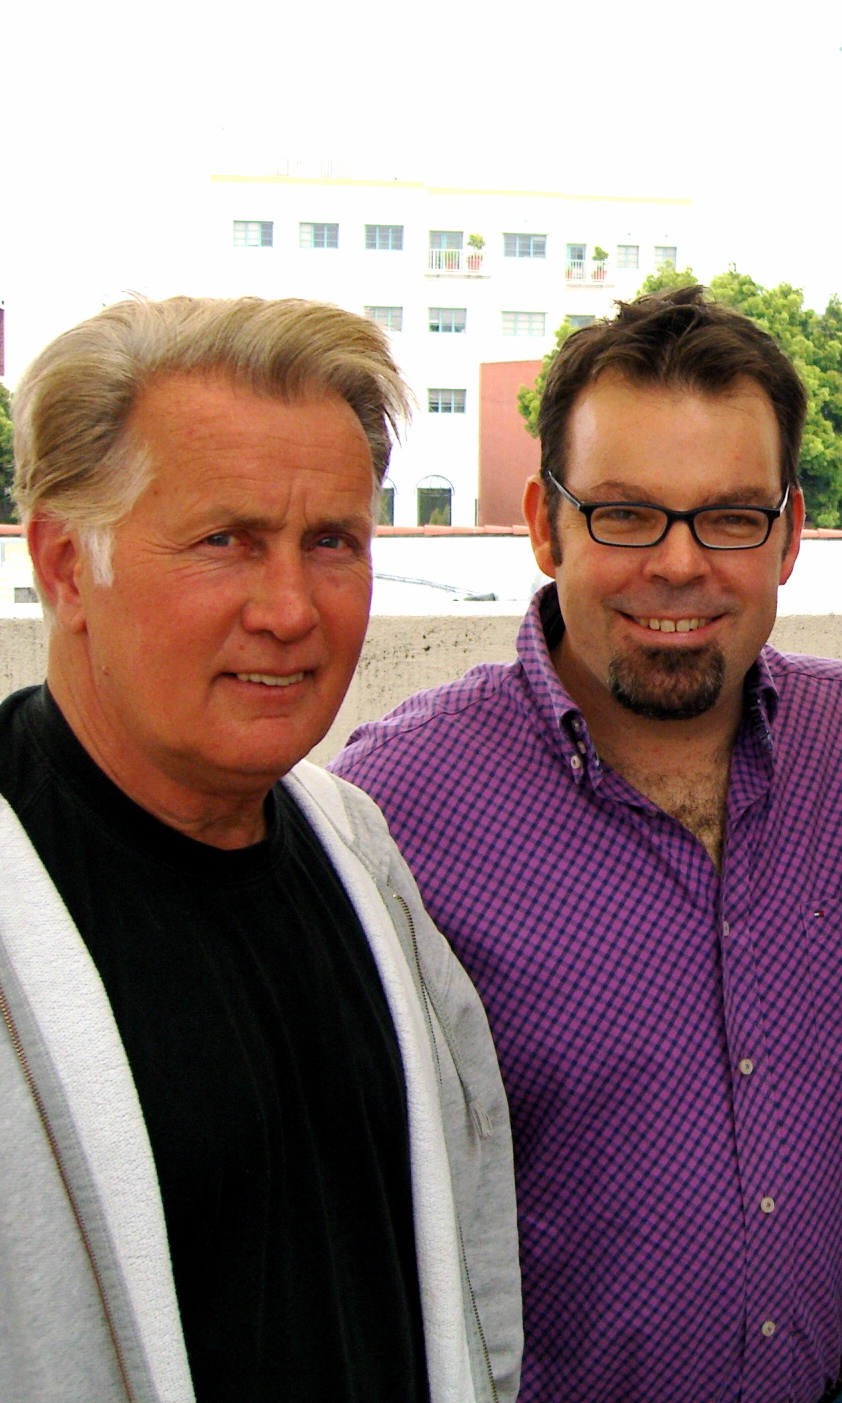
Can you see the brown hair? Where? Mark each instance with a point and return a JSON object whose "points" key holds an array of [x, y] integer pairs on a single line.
{"points": [[675, 339]]}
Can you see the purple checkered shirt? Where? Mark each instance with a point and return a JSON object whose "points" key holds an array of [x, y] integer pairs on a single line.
{"points": [[671, 1039]]}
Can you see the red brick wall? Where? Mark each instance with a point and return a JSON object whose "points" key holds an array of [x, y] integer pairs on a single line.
{"points": [[507, 453]]}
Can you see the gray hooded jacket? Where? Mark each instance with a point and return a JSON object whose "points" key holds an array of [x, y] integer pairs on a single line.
{"points": [[87, 1303]]}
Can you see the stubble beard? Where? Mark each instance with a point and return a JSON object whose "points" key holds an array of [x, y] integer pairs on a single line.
{"points": [[666, 684]]}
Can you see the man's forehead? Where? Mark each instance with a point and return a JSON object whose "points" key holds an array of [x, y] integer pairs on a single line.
{"points": [[616, 423], [181, 398]]}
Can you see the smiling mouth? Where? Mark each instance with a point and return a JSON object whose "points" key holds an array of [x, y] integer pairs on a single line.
{"points": [[269, 679], [672, 625]]}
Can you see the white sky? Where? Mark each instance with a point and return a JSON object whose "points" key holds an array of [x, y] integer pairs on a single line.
{"points": [[115, 116]]}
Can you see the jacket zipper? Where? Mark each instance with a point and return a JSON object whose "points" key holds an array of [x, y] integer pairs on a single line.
{"points": [[494, 1394], [17, 1045]]}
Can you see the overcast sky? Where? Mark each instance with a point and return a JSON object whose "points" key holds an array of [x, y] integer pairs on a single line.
{"points": [[115, 116]]}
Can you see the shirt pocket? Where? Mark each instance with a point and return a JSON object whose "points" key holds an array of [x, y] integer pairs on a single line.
{"points": [[822, 923]]}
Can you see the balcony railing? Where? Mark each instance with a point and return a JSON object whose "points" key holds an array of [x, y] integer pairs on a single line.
{"points": [[578, 271], [454, 260]]}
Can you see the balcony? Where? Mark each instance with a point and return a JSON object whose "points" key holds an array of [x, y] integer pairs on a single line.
{"points": [[461, 262], [578, 271]]}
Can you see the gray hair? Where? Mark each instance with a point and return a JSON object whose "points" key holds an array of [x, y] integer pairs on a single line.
{"points": [[74, 455]]}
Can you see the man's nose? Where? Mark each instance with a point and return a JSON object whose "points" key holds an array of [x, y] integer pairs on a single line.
{"points": [[280, 598], [678, 557]]}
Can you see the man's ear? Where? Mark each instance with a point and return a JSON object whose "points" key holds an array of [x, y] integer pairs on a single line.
{"points": [[535, 512], [58, 563], [797, 519]]}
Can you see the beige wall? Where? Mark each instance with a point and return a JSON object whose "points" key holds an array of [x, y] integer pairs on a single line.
{"points": [[402, 655]]}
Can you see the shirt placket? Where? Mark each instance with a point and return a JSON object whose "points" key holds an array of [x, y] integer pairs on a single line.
{"points": [[768, 1302]]}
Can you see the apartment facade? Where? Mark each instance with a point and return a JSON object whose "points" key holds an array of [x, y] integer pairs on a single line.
{"points": [[457, 277]]}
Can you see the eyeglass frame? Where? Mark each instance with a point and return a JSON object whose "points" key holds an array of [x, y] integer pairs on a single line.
{"points": [[772, 514]]}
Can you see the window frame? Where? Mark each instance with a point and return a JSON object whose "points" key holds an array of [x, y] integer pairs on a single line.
{"points": [[265, 233], [456, 404], [445, 314], [312, 242], [518, 245], [373, 234], [622, 254], [385, 322], [515, 331]]}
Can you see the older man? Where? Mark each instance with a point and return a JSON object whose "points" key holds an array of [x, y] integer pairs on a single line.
{"points": [[253, 1143], [633, 838]]}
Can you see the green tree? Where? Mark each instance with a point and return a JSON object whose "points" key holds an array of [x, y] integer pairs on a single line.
{"points": [[813, 342], [7, 512], [668, 277]]}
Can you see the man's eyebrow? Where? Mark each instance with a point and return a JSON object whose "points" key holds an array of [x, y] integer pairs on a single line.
{"points": [[615, 490], [238, 521]]}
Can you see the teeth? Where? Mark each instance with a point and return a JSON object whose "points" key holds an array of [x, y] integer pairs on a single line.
{"points": [[671, 625], [269, 679]]}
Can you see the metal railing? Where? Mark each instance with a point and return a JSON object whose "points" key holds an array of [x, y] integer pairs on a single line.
{"points": [[454, 260], [578, 271]]}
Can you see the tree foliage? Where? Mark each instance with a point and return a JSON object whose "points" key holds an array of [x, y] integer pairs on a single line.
{"points": [[812, 340], [6, 467]]}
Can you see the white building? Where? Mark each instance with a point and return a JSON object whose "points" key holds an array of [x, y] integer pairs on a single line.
{"points": [[404, 253]]}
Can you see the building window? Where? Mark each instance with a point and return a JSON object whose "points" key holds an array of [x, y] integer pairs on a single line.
{"points": [[446, 238], [318, 235], [523, 323], [435, 495], [578, 322], [448, 318], [665, 253], [252, 233], [384, 236], [446, 401], [628, 255], [576, 262], [524, 245], [387, 505], [390, 318]]}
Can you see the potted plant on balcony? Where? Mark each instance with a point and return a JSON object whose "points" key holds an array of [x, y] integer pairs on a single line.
{"points": [[599, 256], [474, 260]]}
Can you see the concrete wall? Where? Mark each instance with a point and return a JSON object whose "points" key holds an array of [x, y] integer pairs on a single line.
{"points": [[403, 655]]}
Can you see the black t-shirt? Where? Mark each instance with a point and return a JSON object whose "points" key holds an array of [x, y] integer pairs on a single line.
{"points": [[268, 1071]]}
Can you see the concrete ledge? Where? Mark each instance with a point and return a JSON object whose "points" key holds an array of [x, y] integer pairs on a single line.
{"points": [[403, 655]]}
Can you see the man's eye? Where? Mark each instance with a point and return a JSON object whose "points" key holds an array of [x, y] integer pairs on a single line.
{"points": [[335, 541], [219, 538], [622, 515]]}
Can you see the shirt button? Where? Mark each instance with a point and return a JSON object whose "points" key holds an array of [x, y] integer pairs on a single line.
{"points": [[726, 929], [581, 747], [768, 1328], [746, 1066], [575, 762], [577, 725], [767, 1205]]}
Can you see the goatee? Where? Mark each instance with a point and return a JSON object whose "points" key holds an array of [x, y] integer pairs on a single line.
{"points": [[668, 684]]}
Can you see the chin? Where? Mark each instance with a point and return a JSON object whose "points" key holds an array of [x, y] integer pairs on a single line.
{"points": [[668, 685]]}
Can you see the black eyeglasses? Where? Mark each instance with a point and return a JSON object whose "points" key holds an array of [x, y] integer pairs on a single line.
{"points": [[638, 524]]}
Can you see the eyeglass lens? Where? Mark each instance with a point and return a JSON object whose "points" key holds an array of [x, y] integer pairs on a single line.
{"points": [[722, 527]]}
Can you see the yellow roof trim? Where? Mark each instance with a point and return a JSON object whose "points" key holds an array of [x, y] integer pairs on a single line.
{"points": [[450, 189]]}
